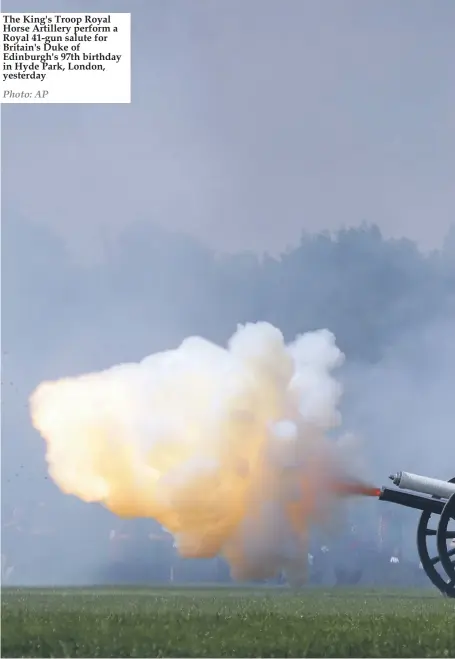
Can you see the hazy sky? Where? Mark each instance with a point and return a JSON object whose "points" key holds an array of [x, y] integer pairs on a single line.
{"points": [[251, 120]]}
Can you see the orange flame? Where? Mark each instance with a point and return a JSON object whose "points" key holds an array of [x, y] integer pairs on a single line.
{"points": [[353, 488]]}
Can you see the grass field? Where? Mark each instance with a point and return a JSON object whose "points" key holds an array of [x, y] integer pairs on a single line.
{"points": [[225, 622]]}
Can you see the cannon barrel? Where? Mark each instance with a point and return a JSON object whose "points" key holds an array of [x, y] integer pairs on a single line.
{"points": [[416, 501], [422, 484]]}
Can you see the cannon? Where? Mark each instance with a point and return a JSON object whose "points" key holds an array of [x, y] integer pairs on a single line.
{"points": [[436, 499]]}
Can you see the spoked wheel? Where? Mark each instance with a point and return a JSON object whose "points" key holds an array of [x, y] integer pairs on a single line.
{"points": [[445, 540], [430, 555]]}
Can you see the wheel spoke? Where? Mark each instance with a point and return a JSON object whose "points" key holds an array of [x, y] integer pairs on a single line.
{"points": [[430, 532], [451, 552], [449, 535], [435, 560]]}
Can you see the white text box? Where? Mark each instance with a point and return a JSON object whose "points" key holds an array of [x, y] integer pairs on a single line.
{"points": [[66, 58]]}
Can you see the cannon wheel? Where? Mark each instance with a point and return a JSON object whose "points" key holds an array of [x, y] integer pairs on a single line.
{"points": [[443, 583], [444, 534]]}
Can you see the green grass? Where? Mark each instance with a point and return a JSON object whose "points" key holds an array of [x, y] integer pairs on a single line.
{"points": [[226, 623]]}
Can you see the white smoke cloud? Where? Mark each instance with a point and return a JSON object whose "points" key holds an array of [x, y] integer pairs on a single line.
{"points": [[226, 448]]}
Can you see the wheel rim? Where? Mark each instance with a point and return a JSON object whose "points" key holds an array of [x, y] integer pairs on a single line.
{"points": [[430, 562], [446, 533]]}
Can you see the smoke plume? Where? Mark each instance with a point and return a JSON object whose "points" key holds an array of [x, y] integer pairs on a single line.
{"points": [[226, 448]]}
